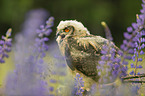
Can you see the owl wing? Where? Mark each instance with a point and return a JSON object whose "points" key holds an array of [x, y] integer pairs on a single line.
{"points": [[96, 42], [93, 46]]}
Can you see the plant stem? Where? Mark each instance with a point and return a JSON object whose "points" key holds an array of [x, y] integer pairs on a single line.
{"points": [[133, 81], [135, 71]]}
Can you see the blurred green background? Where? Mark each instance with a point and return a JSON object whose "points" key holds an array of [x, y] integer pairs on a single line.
{"points": [[118, 14]]}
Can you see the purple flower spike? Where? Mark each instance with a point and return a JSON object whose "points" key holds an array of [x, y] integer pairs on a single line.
{"points": [[28, 79], [134, 41], [5, 46], [79, 83], [42, 33]]}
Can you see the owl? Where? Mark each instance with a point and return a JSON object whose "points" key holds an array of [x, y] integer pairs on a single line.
{"points": [[81, 50]]}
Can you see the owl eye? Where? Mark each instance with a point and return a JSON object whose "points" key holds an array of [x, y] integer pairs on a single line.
{"points": [[66, 29]]}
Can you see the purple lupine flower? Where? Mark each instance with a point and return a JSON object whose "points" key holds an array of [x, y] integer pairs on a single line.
{"points": [[5, 46], [52, 81], [111, 58], [110, 62], [132, 65], [109, 66], [128, 44], [45, 30], [129, 29], [139, 66], [27, 78], [132, 72], [41, 39], [79, 84], [138, 40], [134, 42]]}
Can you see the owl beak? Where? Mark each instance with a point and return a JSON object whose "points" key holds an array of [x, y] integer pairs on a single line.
{"points": [[60, 34], [58, 39]]}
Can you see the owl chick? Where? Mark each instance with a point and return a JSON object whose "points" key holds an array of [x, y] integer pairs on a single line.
{"points": [[81, 50]]}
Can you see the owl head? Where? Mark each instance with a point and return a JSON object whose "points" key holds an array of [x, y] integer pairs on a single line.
{"points": [[70, 28]]}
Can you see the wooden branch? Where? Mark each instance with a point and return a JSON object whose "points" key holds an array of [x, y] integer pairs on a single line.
{"points": [[134, 76], [133, 81]]}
